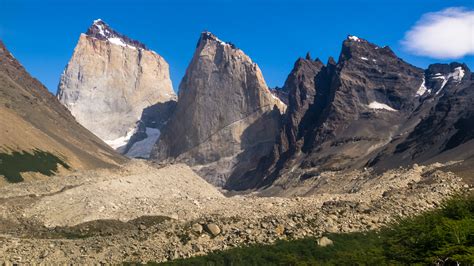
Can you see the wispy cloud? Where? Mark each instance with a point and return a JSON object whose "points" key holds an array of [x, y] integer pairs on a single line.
{"points": [[445, 34]]}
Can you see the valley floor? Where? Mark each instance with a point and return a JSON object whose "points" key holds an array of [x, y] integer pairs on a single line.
{"points": [[143, 212]]}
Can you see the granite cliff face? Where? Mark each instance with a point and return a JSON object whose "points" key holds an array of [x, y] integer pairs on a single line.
{"points": [[370, 109], [36, 128], [226, 117], [110, 80]]}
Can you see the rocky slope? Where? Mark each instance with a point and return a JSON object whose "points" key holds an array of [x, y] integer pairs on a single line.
{"points": [[110, 80], [226, 117], [370, 109], [140, 213], [36, 128]]}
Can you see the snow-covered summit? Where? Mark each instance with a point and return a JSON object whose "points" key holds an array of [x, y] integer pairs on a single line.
{"points": [[102, 31], [353, 38]]}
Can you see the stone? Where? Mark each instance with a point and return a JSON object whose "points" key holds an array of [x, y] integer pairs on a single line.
{"points": [[197, 228], [213, 229], [324, 242], [280, 229], [332, 229]]}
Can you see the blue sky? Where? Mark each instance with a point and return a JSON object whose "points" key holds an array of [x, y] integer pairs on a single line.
{"points": [[43, 34]]}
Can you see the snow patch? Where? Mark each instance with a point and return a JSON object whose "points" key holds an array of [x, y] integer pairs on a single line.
{"points": [[101, 29], [456, 76], [364, 58], [122, 141], [118, 41], [143, 147], [354, 38], [422, 90], [377, 105], [209, 34]]}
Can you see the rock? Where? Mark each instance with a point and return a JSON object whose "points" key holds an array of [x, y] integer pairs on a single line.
{"points": [[324, 242], [300, 89], [109, 82], [226, 117], [197, 228], [44, 254], [332, 229], [280, 229], [213, 229], [142, 227]]}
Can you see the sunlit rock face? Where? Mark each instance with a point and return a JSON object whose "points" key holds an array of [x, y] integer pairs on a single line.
{"points": [[110, 80]]}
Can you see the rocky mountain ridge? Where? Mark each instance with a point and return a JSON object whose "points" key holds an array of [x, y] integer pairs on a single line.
{"points": [[355, 113], [368, 109]]}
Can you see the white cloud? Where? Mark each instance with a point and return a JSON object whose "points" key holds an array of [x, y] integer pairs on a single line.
{"points": [[445, 34]]}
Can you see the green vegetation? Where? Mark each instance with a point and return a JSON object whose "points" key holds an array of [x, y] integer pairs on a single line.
{"points": [[443, 236], [11, 165]]}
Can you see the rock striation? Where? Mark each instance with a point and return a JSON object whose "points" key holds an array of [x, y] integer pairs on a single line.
{"points": [[110, 80], [226, 118]]}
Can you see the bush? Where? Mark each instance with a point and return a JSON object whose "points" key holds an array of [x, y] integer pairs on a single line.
{"points": [[12, 165]]}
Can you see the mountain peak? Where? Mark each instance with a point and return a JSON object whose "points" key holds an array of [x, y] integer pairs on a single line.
{"points": [[354, 38], [102, 31], [355, 47], [209, 36]]}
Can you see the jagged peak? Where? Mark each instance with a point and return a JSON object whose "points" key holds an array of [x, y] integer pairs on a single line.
{"points": [[331, 61], [447, 68], [209, 36], [102, 31], [357, 47]]}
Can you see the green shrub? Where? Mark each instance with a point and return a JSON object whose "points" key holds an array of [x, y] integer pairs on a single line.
{"points": [[12, 165]]}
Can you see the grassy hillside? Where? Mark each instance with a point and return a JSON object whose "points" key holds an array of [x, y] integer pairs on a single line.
{"points": [[444, 236]]}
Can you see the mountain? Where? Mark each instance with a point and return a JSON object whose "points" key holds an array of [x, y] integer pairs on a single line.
{"points": [[38, 134], [110, 80], [370, 109], [446, 130], [226, 118]]}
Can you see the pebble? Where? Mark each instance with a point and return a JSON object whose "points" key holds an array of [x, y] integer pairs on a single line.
{"points": [[197, 228]]}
